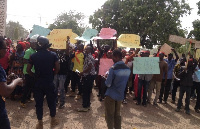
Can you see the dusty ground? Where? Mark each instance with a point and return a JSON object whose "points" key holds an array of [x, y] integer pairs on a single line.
{"points": [[134, 117]]}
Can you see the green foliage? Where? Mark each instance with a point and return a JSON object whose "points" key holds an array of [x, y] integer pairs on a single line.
{"points": [[15, 30], [69, 20], [195, 33], [153, 20]]}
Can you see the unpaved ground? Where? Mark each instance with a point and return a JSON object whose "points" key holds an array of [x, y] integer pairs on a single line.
{"points": [[161, 117]]}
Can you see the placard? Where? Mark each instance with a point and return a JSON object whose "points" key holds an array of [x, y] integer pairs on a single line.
{"points": [[89, 33], [105, 65], [146, 65], [58, 38], [129, 40], [39, 30], [3, 15], [197, 54], [107, 33], [166, 49]]}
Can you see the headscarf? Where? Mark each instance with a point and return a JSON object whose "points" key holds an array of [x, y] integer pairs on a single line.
{"points": [[23, 45]]}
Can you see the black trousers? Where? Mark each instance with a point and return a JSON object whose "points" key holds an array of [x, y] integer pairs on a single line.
{"points": [[165, 89], [197, 87], [40, 90], [29, 83], [174, 90], [76, 80], [87, 87]]}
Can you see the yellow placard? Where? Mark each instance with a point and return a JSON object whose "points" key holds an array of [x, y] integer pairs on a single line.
{"points": [[129, 40], [197, 54], [58, 38]]}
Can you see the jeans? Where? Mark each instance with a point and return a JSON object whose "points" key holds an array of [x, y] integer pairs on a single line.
{"points": [[40, 90], [59, 81], [29, 84], [184, 89], [174, 90], [4, 121], [145, 85], [112, 113], [165, 89], [197, 87], [87, 88], [157, 86], [74, 80]]}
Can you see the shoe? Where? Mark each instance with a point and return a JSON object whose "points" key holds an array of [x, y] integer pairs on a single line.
{"points": [[159, 101], [77, 97], [137, 103], [54, 122], [173, 102], [72, 94], [61, 106], [82, 109], [165, 102], [148, 102], [197, 111], [23, 105], [178, 110], [124, 101], [155, 104], [39, 124], [187, 112]]}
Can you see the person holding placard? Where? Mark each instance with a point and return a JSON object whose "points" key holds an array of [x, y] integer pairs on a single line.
{"points": [[157, 79], [144, 80], [186, 82], [165, 88]]}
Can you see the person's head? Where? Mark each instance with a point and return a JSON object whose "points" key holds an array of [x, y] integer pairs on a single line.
{"points": [[144, 53], [117, 56], [123, 53], [109, 54], [42, 43], [3, 48], [183, 55], [182, 62], [161, 55], [88, 49], [106, 48], [80, 47], [21, 46], [170, 56]]}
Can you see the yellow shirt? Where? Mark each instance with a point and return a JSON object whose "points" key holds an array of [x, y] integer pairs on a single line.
{"points": [[78, 64]]}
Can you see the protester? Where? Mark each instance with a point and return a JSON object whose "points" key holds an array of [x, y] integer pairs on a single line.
{"points": [[144, 80], [16, 61], [186, 83], [157, 79], [29, 80], [165, 88], [116, 82], [78, 58], [88, 76], [44, 62], [176, 72], [5, 90]]}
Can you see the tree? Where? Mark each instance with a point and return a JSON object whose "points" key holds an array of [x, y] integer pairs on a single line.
{"points": [[195, 33], [15, 30], [153, 20], [70, 20]]}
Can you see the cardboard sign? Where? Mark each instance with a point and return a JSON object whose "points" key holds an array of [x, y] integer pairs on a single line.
{"points": [[181, 40], [105, 65], [107, 33], [39, 30], [146, 65], [197, 44], [197, 53], [88, 34], [3, 16], [166, 49], [129, 40], [58, 38]]}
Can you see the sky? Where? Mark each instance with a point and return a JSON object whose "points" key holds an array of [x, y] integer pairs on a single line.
{"points": [[43, 12]]}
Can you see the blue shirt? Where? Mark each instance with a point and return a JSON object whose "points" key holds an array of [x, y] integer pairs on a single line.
{"points": [[44, 63], [117, 80], [171, 65], [2, 102]]}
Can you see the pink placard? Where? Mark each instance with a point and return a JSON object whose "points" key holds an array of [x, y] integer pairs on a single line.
{"points": [[105, 65], [107, 33]]}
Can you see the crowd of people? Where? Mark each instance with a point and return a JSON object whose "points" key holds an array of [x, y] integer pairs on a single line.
{"points": [[49, 72]]}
